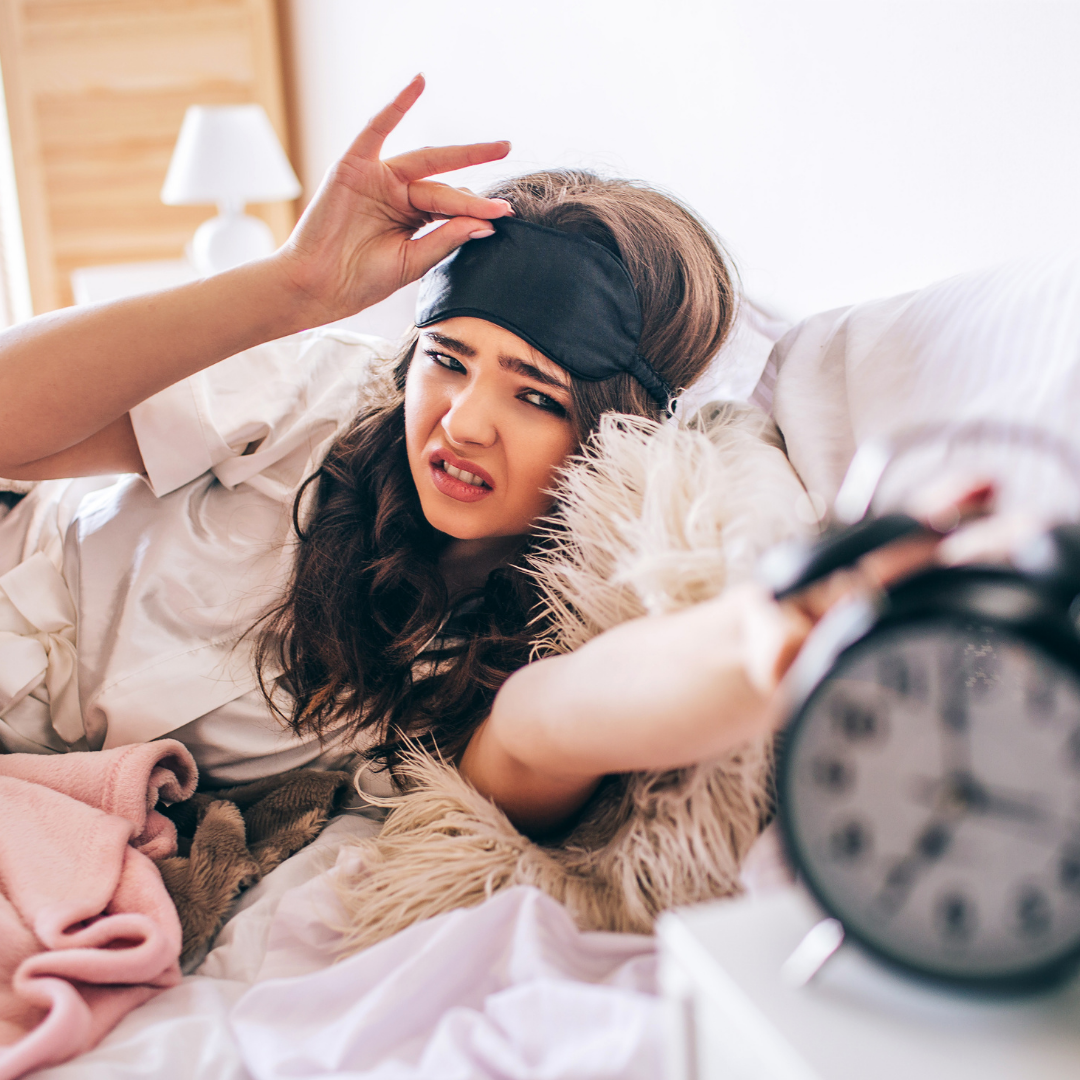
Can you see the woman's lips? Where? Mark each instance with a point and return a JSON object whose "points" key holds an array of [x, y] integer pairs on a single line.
{"points": [[456, 488]]}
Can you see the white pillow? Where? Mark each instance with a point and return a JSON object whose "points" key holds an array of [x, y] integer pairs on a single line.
{"points": [[1000, 344], [736, 370]]}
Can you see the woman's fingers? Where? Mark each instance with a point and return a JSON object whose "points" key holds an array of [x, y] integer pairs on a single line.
{"points": [[953, 500], [943, 507], [900, 559], [372, 206], [368, 144], [431, 160], [423, 253], [441, 200], [992, 540]]}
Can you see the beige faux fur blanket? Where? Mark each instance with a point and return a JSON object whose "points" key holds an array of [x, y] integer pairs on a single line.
{"points": [[658, 517]]}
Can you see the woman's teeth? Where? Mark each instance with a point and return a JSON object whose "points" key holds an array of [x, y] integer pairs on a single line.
{"points": [[461, 474]]}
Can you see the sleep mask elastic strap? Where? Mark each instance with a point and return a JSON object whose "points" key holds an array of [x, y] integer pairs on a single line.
{"points": [[564, 294]]}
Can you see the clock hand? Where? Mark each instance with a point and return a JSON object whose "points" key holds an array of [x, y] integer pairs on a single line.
{"points": [[955, 721], [962, 791], [981, 799], [930, 845]]}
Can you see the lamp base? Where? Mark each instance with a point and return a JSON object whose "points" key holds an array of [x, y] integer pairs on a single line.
{"points": [[228, 240]]}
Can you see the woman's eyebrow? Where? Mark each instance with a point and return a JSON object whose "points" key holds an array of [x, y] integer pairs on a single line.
{"points": [[451, 343], [530, 371]]}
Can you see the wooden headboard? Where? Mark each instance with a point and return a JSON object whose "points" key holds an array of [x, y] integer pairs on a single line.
{"points": [[96, 91]]}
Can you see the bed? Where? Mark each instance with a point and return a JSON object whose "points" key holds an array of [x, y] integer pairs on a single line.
{"points": [[508, 989], [512, 988]]}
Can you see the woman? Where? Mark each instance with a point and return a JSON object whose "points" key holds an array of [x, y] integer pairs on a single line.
{"points": [[428, 494], [405, 612]]}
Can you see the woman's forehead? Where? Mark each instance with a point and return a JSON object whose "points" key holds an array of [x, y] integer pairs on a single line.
{"points": [[472, 337]]}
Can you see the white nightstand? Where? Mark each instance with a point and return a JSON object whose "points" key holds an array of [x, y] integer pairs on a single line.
{"points": [[736, 1019], [387, 319], [91, 284]]}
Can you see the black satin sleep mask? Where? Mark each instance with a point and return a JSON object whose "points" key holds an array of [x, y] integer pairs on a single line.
{"points": [[564, 294]]}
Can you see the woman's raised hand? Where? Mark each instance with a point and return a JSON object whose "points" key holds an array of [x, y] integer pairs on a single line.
{"points": [[354, 246], [69, 378]]}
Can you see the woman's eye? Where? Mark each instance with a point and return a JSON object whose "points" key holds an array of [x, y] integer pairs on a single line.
{"points": [[451, 363], [542, 401]]}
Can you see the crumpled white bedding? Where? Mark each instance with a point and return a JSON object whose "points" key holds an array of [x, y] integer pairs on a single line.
{"points": [[1000, 345], [510, 989]]}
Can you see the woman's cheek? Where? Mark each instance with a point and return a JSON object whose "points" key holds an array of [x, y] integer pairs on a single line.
{"points": [[549, 454], [423, 398]]}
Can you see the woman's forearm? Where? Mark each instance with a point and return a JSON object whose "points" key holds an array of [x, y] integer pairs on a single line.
{"points": [[67, 375], [669, 691], [656, 693]]}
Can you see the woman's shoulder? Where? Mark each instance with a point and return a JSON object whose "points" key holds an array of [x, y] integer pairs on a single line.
{"points": [[272, 408], [327, 363], [323, 353]]}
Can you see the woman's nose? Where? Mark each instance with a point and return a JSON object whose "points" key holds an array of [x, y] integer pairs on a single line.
{"points": [[470, 420]]}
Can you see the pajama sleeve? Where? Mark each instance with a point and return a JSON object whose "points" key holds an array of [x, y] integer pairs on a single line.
{"points": [[263, 417]]}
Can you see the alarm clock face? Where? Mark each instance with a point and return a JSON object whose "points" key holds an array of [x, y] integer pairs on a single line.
{"points": [[930, 791]]}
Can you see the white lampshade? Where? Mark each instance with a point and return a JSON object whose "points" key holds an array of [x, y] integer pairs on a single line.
{"points": [[229, 155]]}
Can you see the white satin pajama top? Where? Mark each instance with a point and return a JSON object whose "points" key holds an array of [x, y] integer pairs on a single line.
{"points": [[124, 600]]}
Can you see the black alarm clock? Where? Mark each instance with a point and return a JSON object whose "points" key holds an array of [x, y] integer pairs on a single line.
{"points": [[929, 779]]}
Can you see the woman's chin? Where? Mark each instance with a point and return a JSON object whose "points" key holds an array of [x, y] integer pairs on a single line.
{"points": [[459, 525]]}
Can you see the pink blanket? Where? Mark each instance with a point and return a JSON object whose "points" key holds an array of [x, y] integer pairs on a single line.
{"points": [[87, 930]]}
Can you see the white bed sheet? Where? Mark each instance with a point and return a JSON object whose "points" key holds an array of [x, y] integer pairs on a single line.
{"points": [[509, 989]]}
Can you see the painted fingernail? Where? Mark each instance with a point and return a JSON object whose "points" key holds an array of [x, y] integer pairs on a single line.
{"points": [[509, 208], [481, 233]]}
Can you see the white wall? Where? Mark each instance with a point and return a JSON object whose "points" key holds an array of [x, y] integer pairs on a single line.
{"points": [[843, 148]]}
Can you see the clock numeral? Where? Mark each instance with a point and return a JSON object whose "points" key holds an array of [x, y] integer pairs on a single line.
{"points": [[955, 917], [1033, 912], [954, 690], [898, 883], [980, 667], [833, 774], [954, 707], [1069, 870], [930, 845], [856, 722], [850, 841], [933, 842], [896, 673]]}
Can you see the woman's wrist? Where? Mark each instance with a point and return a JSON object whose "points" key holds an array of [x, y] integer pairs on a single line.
{"points": [[271, 300]]}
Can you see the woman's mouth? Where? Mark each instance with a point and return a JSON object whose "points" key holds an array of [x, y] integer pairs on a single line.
{"points": [[459, 479]]}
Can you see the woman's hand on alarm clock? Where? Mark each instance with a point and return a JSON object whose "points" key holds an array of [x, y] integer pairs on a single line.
{"points": [[558, 725], [953, 511], [959, 528]]}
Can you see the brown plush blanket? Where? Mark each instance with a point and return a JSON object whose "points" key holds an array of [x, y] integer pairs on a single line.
{"points": [[229, 838]]}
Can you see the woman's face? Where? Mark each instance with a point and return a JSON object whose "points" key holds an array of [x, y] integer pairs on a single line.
{"points": [[487, 423]]}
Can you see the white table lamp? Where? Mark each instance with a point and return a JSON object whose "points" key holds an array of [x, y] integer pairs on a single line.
{"points": [[228, 155]]}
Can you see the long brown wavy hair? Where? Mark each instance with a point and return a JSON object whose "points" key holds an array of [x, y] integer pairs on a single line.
{"points": [[366, 635]]}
